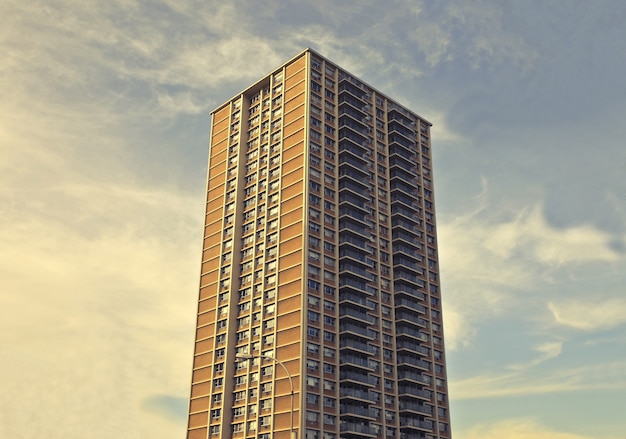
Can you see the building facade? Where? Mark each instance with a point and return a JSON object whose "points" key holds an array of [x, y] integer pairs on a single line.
{"points": [[319, 308]]}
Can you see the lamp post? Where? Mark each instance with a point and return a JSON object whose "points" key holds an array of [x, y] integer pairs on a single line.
{"points": [[292, 433]]}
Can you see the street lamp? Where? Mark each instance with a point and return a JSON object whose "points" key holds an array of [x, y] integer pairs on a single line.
{"points": [[292, 433]]}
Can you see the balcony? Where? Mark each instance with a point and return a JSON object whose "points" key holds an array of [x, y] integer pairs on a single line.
{"points": [[408, 238], [354, 235], [353, 393], [345, 327], [415, 407], [413, 305], [402, 174], [355, 125], [349, 252], [413, 346], [354, 200], [355, 105], [346, 86], [352, 299], [408, 290], [354, 314], [352, 155], [407, 435], [407, 277], [396, 128], [400, 161], [355, 114], [406, 421], [405, 255], [412, 375], [404, 186], [354, 270], [356, 345], [353, 214], [353, 284], [351, 411], [408, 145], [359, 378], [415, 391], [358, 430], [398, 150], [407, 264], [355, 361], [402, 329], [356, 186], [410, 226]]}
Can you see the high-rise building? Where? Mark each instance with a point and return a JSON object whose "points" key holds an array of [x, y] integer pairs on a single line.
{"points": [[319, 309]]}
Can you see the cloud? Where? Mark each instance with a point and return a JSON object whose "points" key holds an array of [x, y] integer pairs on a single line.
{"points": [[490, 253], [518, 382], [472, 33], [515, 429], [590, 314], [546, 350]]}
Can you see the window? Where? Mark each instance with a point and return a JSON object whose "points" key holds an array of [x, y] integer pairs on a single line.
{"points": [[313, 348], [312, 365], [312, 417], [312, 381], [313, 316], [312, 398], [329, 368], [313, 270]]}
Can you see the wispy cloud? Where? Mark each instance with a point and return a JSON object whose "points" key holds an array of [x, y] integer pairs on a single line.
{"points": [[547, 350], [525, 428], [518, 383], [490, 253], [590, 314]]}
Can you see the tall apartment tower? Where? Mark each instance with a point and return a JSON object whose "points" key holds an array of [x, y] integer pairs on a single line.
{"points": [[319, 312]]}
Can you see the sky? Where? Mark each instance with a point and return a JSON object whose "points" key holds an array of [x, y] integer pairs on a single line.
{"points": [[104, 130]]}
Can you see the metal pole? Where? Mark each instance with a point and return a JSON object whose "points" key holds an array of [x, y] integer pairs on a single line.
{"points": [[292, 433]]}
